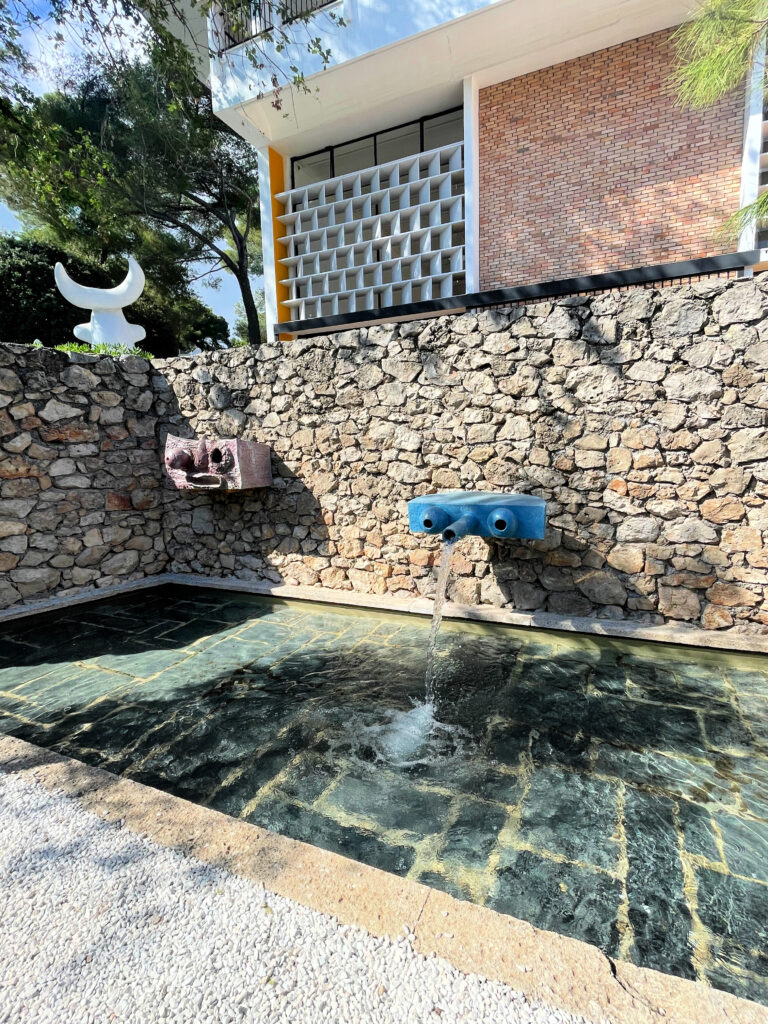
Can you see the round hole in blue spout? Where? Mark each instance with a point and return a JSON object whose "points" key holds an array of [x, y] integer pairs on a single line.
{"points": [[428, 523], [500, 524], [449, 534]]}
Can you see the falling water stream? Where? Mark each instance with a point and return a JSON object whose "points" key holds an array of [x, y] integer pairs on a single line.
{"points": [[437, 617], [408, 736]]}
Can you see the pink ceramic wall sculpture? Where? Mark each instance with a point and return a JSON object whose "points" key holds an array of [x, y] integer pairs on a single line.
{"points": [[216, 465]]}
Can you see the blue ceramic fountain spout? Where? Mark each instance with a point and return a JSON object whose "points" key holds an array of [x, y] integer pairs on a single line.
{"points": [[457, 514]]}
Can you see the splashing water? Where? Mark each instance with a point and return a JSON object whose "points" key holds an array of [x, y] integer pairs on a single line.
{"points": [[416, 736], [437, 617]]}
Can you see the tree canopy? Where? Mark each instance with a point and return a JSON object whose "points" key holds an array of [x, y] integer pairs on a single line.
{"points": [[175, 321], [715, 48], [127, 156], [123, 161], [106, 29]]}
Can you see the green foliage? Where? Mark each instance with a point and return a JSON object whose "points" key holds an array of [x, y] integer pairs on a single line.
{"points": [[109, 28], [129, 162], [33, 309], [749, 216], [715, 48], [203, 329], [253, 247], [240, 326], [107, 350], [128, 156]]}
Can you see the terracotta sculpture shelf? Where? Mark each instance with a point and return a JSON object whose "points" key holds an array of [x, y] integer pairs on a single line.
{"points": [[218, 464]]}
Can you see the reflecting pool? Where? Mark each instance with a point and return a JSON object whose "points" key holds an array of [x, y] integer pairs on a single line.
{"points": [[616, 792]]}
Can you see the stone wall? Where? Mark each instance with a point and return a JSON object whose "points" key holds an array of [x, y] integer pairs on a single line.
{"points": [[79, 473], [640, 417]]}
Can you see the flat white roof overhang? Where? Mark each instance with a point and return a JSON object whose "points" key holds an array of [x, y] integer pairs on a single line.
{"points": [[424, 73]]}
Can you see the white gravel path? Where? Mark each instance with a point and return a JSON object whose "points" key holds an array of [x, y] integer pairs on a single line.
{"points": [[97, 924]]}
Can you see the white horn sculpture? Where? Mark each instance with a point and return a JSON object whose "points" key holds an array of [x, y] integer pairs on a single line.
{"points": [[107, 325]]}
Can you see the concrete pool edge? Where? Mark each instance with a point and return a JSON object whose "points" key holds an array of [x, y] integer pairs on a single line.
{"points": [[546, 967], [610, 628]]}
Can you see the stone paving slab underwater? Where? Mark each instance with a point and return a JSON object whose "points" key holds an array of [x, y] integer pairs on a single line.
{"points": [[613, 791]]}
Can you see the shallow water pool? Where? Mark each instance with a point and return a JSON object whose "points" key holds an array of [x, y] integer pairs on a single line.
{"points": [[612, 791]]}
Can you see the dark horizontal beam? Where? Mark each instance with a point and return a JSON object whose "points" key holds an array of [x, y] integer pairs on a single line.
{"points": [[544, 290]]}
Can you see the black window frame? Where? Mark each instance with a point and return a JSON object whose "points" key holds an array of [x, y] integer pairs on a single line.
{"points": [[420, 121]]}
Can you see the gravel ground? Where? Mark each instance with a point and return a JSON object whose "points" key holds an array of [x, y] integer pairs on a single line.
{"points": [[101, 925]]}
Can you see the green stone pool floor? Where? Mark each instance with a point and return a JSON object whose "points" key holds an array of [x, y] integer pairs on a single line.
{"points": [[616, 792]]}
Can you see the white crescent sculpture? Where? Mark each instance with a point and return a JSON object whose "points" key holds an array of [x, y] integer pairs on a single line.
{"points": [[107, 325]]}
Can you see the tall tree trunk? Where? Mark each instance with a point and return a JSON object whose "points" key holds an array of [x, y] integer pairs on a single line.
{"points": [[244, 280], [249, 305]]}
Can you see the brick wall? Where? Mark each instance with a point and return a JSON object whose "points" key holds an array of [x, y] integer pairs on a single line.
{"points": [[590, 166]]}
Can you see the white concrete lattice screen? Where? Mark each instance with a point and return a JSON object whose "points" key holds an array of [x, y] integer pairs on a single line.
{"points": [[377, 237]]}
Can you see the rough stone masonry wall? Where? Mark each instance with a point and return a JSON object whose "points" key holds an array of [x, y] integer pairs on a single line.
{"points": [[639, 417], [79, 473], [591, 165]]}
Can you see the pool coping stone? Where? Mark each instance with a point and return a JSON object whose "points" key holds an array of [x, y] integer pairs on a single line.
{"points": [[545, 966], [618, 628]]}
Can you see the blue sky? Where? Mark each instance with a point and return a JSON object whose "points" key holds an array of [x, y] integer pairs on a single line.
{"points": [[7, 220]]}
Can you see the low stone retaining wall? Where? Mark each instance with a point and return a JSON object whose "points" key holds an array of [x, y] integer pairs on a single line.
{"points": [[79, 473], [640, 417]]}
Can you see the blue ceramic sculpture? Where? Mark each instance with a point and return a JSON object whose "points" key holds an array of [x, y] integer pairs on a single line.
{"points": [[456, 514]]}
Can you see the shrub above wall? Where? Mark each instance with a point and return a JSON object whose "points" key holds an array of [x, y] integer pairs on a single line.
{"points": [[640, 417]]}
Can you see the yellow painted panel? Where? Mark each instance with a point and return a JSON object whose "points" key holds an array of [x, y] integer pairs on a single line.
{"points": [[277, 185]]}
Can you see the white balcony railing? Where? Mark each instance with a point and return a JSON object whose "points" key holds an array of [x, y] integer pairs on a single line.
{"points": [[236, 23]]}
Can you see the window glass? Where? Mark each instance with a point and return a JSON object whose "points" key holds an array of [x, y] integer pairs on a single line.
{"points": [[398, 143], [394, 144], [444, 129], [309, 169], [353, 156]]}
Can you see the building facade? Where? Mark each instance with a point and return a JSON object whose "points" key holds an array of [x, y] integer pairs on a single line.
{"points": [[478, 144]]}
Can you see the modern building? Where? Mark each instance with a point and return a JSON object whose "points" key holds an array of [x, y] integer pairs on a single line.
{"points": [[456, 147]]}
